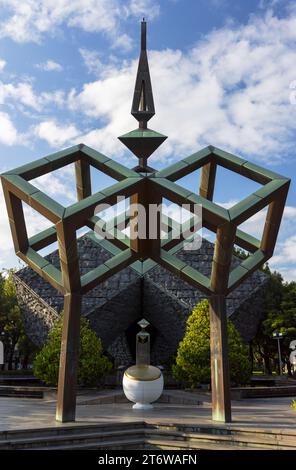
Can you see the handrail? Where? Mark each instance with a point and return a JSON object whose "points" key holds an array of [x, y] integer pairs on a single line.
{"points": [[36, 296]]}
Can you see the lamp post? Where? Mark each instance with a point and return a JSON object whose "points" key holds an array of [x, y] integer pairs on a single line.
{"points": [[278, 337]]}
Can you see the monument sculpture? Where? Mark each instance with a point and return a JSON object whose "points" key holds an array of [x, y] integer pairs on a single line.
{"points": [[143, 383], [144, 186]]}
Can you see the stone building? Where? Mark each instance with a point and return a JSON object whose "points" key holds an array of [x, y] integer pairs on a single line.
{"points": [[114, 307]]}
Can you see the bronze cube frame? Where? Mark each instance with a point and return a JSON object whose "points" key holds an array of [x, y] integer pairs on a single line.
{"points": [[145, 186], [140, 254]]}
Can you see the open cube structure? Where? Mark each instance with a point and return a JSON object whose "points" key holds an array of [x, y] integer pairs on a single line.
{"points": [[145, 186]]}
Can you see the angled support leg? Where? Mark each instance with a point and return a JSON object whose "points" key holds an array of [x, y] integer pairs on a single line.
{"points": [[16, 221], [273, 222]]}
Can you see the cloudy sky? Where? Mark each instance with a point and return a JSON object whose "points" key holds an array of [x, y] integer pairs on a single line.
{"points": [[223, 73]]}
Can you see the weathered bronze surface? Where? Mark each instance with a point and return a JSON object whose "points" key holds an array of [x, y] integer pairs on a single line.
{"points": [[144, 186]]}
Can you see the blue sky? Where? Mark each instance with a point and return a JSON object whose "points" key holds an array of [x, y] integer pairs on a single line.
{"points": [[223, 73]]}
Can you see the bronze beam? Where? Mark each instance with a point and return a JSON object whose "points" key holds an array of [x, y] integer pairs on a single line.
{"points": [[272, 223], [207, 180], [16, 221], [145, 215], [83, 181]]}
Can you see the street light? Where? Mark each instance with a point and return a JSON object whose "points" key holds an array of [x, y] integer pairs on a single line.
{"points": [[1, 350], [278, 337]]}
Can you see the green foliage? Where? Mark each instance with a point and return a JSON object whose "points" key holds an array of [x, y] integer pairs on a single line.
{"points": [[11, 323], [193, 358], [92, 364], [293, 405], [279, 316], [10, 317]]}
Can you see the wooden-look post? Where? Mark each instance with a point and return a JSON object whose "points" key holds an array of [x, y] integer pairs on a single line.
{"points": [[16, 221], [83, 180], [66, 400], [207, 180], [272, 223], [145, 221], [221, 400]]}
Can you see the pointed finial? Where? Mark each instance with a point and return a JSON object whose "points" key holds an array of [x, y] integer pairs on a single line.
{"points": [[143, 104], [143, 141], [143, 35]]}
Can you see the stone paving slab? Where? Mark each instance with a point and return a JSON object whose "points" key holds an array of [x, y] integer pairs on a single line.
{"points": [[172, 397]]}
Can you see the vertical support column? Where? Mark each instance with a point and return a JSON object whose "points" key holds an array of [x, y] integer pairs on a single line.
{"points": [[66, 400], [221, 399], [83, 180], [66, 236], [145, 223], [207, 180]]}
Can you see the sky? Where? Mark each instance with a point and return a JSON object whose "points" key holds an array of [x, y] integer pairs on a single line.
{"points": [[223, 73]]}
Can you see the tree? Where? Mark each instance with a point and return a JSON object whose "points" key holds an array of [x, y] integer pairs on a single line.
{"points": [[11, 324], [92, 364], [193, 357], [265, 347], [283, 320], [279, 315]]}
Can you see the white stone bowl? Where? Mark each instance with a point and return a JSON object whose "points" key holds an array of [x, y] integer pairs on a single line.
{"points": [[142, 392]]}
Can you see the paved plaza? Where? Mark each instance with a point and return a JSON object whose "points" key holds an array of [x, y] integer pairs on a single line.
{"points": [[271, 413]]}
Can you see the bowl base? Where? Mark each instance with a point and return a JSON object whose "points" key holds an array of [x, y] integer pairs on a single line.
{"points": [[142, 406]]}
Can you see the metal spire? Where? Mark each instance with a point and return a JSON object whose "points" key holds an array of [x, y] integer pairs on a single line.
{"points": [[143, 104], [143, 141]]}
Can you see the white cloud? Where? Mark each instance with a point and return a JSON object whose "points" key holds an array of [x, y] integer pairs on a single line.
{"points": [[23, 94], [8, 133], [287, 251], [123, 42], [50, 66], [284, 259], [91, 60], [230, 90], [30, 20], [58, 184], [56, 135], [144, 8], [2, 64]]}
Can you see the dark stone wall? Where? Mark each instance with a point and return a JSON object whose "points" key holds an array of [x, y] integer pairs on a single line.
{"points": [[116, 304], [168, 314], [115, 316], [38, 316]]}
